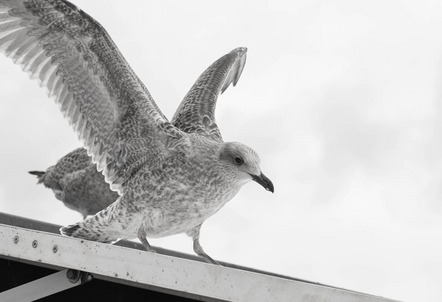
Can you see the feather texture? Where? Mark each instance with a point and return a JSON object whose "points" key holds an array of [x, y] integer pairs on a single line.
{"points": [[196, 113], [105, 102]]}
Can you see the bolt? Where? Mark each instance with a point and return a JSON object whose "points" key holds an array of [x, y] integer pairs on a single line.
{"points": [[55, 249], [16, 239], [73, 275], [34, 244]]}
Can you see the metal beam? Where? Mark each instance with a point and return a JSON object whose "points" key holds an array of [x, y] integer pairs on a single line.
{"points": [[164, 273], [45, 286]]}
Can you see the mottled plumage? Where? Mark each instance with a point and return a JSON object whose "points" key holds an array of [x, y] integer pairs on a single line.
{"points": [[170, 179], [75, 181]]}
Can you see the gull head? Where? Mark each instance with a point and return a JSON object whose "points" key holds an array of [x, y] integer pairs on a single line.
{"points": [[244, 163]]}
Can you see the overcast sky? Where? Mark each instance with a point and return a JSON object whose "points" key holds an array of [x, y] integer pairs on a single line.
{"points": [[341, 99]]}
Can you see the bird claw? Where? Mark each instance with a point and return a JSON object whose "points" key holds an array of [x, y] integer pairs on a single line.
{"points": [[198, 249], [151, 250], [209, 259]]}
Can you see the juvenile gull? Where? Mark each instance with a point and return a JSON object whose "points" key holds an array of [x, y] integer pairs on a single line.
{"points": [[75, 181], [169, 179]]}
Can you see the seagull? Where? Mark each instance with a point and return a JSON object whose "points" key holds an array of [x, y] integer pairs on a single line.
{"points": [[170, 177], [75, 181]]}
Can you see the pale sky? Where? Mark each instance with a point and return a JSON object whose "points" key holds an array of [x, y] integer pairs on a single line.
{"points": [[341, 99]]}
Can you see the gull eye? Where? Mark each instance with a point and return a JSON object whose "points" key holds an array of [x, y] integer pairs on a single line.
{"points": [[238, 160]]}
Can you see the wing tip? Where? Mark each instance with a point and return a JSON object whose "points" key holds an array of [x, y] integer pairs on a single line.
{"points": [[237, 68], [240, 50]]}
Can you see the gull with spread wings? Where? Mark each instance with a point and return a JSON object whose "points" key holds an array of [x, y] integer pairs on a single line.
{"points": [[170, 176]]}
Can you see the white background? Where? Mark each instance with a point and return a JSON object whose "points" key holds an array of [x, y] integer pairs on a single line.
{"points": [[341, 99]]}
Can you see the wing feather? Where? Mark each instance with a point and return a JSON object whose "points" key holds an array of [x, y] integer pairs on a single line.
{"points": [[196, 113], [104, 101]]}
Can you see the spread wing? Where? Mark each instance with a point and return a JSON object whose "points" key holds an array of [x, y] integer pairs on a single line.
{"points": [[105, 102], [196, 113]]}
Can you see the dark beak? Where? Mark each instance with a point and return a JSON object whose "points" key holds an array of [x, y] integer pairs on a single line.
{"points": [[264, 181]]}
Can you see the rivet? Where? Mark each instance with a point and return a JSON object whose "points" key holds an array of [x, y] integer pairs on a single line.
{"points": [[16, 239], [55, 249], [34, 244]]}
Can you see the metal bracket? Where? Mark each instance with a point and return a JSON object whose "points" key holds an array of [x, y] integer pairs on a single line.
{"points": [[46, 286]]}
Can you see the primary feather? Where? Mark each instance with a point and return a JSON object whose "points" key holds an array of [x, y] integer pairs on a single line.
{"points": [[75, 59]]}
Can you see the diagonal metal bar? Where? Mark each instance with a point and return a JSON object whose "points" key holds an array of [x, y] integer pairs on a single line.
{"points": [[44, 287]]}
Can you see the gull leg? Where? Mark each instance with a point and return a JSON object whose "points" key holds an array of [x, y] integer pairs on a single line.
{"points": [[197, 248], [142, 238]]}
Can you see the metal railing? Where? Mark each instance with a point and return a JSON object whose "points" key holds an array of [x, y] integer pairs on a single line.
{"points": [[166, 271]]}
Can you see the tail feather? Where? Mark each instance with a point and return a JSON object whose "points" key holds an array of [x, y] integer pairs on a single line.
{"points": [[40, 175]]}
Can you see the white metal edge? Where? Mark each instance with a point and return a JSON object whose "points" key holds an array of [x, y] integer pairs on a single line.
{"points": [[176, 274]]}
